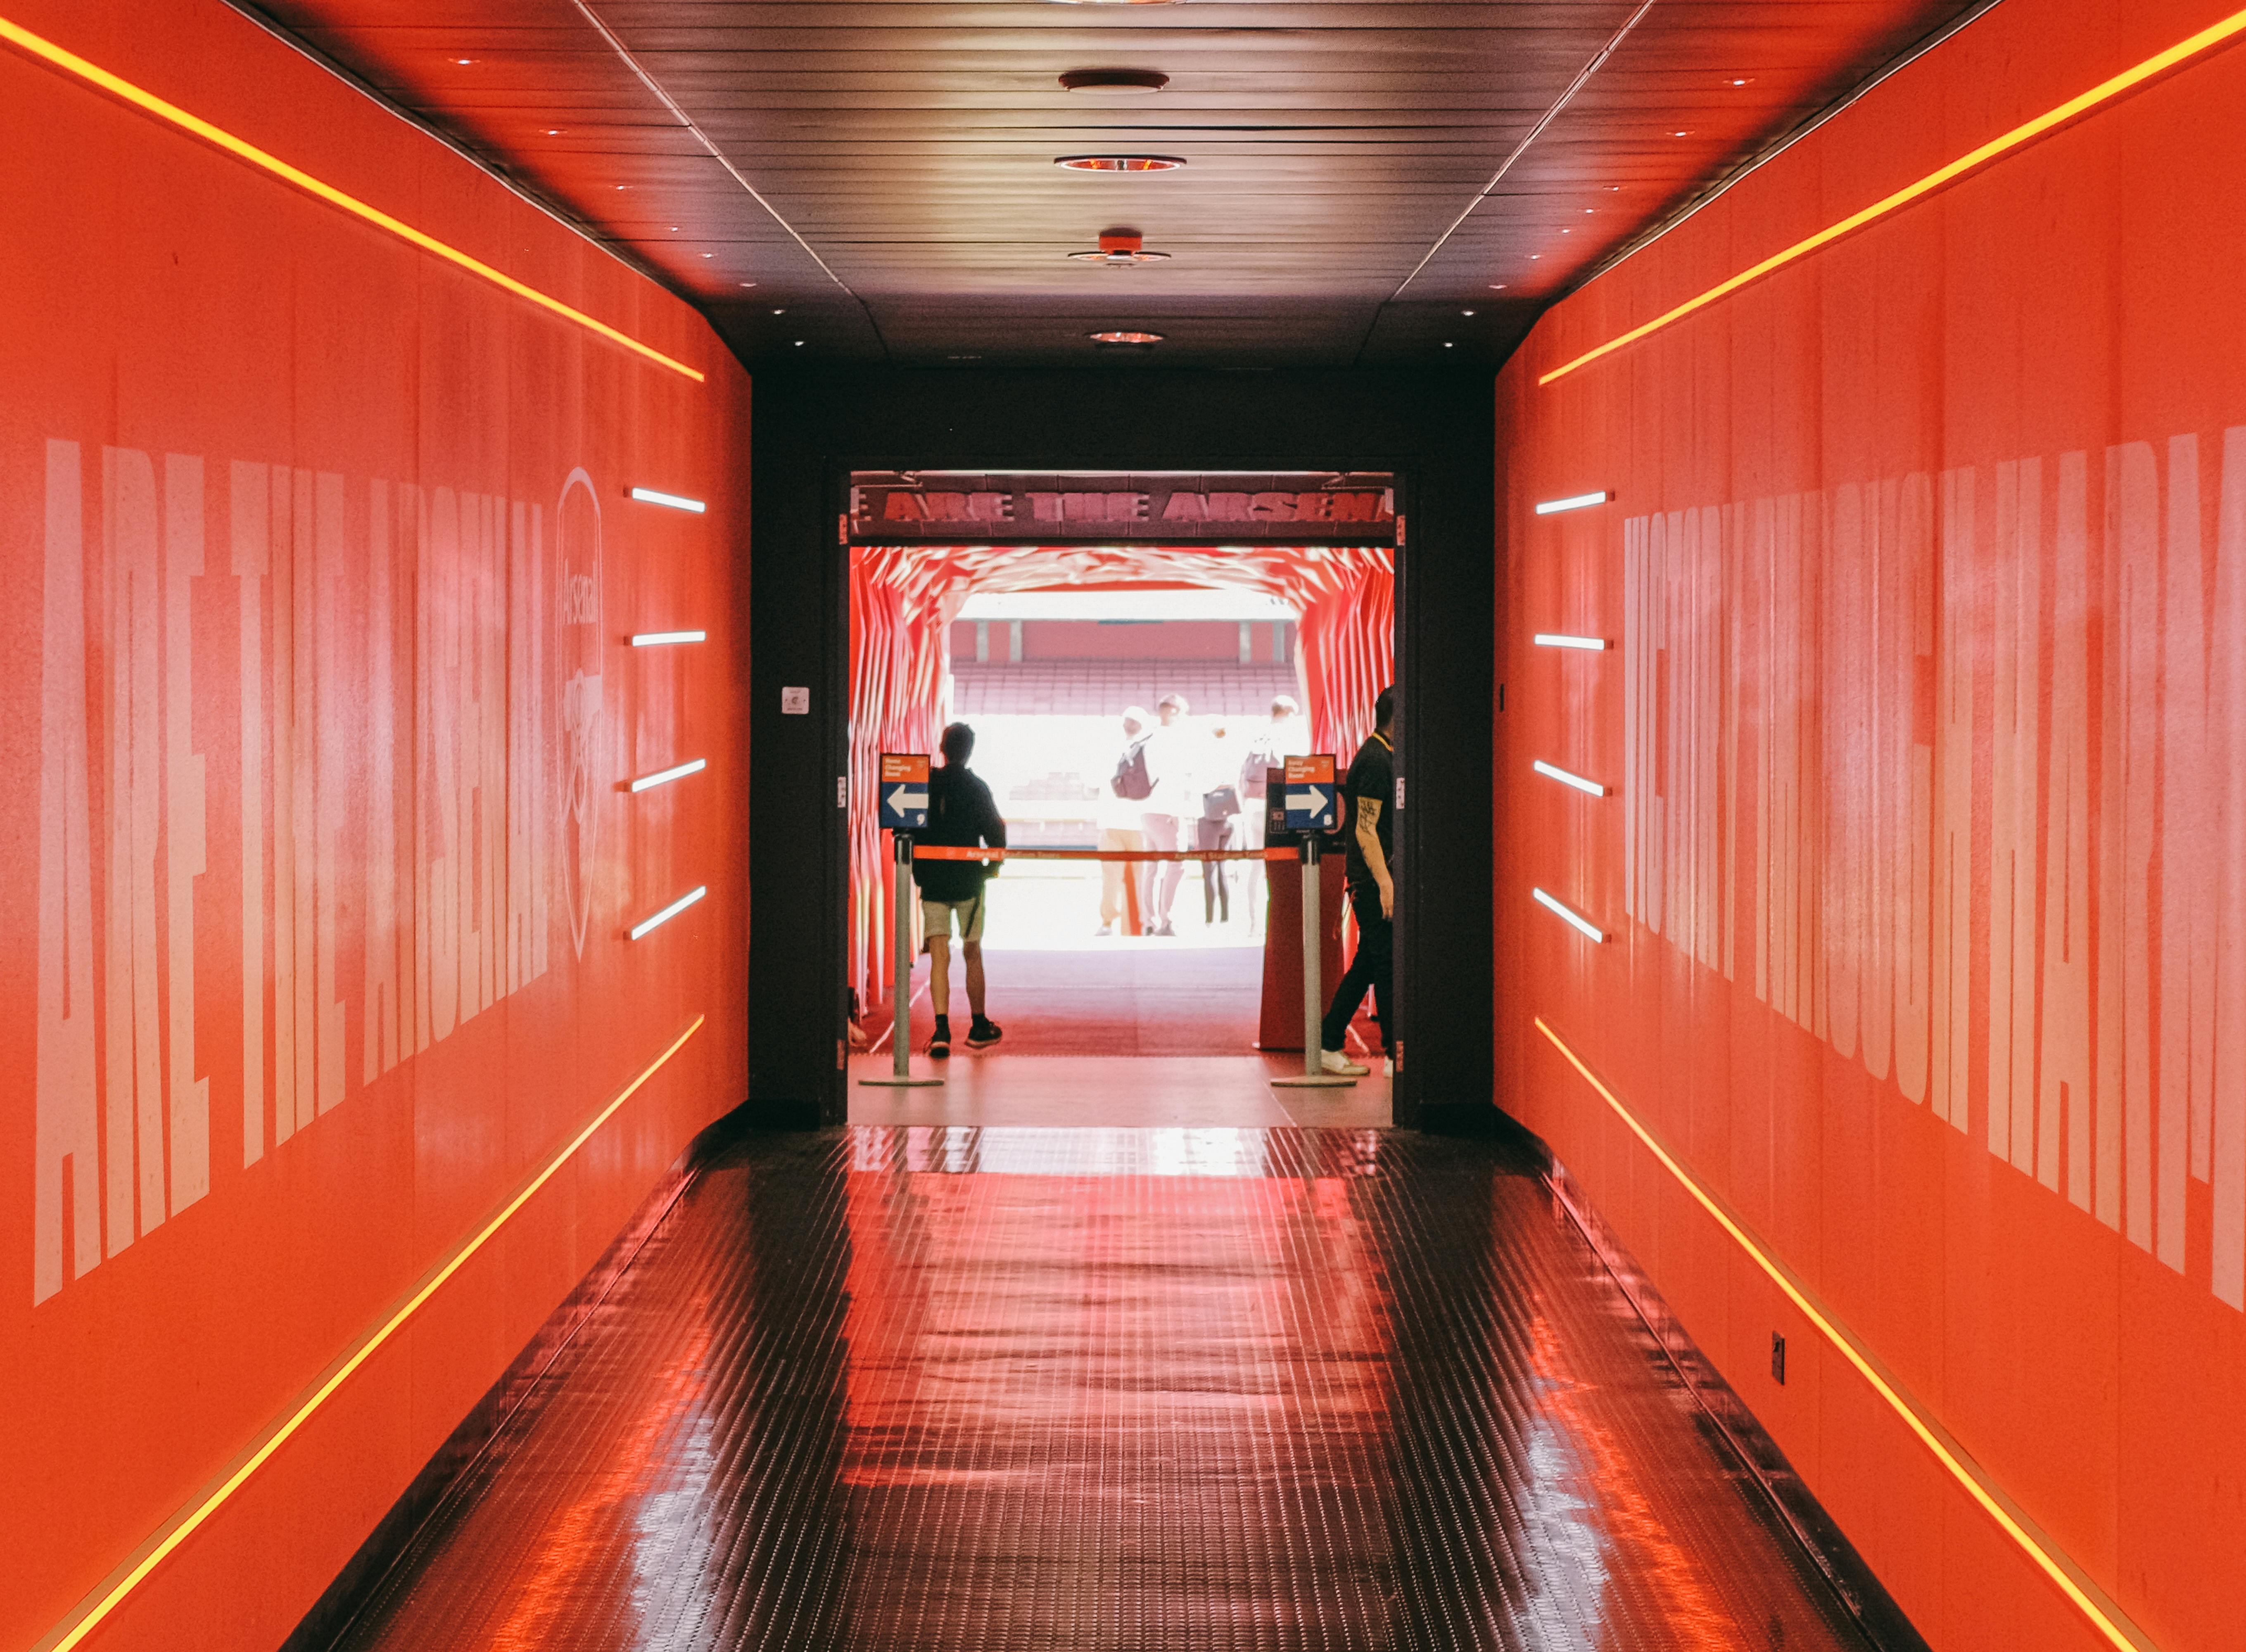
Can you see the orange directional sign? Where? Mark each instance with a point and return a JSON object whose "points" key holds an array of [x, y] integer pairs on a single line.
{"points": [[903, 791]]}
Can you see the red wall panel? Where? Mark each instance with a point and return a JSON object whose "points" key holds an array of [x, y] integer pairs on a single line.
{"points": [[319, 865], [1925, 867]]}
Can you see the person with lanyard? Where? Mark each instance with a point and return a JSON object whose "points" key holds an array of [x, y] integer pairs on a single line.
{"points": [[961, 815], [1368, 826]]}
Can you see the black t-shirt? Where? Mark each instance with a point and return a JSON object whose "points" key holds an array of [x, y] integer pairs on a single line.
{"points": [[961, 816], [1372, 775]]}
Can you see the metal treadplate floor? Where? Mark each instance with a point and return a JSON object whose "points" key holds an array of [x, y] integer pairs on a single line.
{"points": [[940, 1387]]}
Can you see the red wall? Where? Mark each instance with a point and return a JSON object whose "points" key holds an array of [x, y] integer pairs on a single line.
{"points": [[311, 536], [1925, 870]]}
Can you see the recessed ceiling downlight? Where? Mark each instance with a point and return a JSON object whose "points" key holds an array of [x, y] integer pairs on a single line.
{"points": [[1134, 81], [1118, 163], [1125, 341]]}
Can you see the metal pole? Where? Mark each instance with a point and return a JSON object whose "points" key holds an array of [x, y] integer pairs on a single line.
{"points": [[901, 990], [1314, 1010], [1314, 1075], [900, 1026]]}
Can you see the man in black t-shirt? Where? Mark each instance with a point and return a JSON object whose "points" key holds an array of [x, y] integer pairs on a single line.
{"points": [[1368, 816], [961, 815]]}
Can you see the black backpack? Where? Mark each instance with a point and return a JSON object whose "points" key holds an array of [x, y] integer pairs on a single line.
{"points": [[1131, 780]]}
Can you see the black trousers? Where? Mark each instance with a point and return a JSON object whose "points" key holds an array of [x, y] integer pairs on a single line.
{"points": [[1373, 967]]}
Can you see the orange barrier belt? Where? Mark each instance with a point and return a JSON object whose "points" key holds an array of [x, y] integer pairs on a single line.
{"points": [[936, 852]]}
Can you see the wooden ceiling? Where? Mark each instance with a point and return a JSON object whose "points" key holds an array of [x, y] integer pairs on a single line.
{"points": [[874, 178]]}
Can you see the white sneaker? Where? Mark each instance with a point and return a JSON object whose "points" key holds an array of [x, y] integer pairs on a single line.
{"points": [[1388, 1066], [1334, 1062]]}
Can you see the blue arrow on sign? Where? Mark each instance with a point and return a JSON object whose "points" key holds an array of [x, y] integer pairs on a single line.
{"points": [[1309, 808], [904, 808]]}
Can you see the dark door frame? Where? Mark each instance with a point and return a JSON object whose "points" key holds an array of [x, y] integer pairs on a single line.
{"points": [[812, 432]]}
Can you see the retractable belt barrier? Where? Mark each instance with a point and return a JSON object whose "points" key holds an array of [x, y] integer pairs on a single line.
{"points": [[936, 852], [1311, 799]]}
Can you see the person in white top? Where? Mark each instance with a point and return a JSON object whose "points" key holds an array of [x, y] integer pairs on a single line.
{"points": [[1287, 735], [1169, 760], [1120, 828]]}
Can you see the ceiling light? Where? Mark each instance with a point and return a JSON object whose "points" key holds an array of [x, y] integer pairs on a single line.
{"points": [[1742, 83], [1120, 249], [1119, 163], [676, 501], [799, 343], [779, 312], [709, 254], [1465, 312], [464, 62], [1561, 640], [1497, 286], [1680, 135], [1588, 211], [554, 132], [1448, 345], [748, 284], [1134, 81], [657, 639], [1533, 257], [1125, 340]]}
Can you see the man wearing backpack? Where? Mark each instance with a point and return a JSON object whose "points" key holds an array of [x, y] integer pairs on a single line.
{"points": [[1120, 807], [961, 815]]}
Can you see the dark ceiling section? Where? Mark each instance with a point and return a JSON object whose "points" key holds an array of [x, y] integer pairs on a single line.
{"points": [[1365, 183]]}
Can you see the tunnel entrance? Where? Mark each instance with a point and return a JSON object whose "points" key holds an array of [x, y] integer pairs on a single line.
{"points": [[1111, 600]]}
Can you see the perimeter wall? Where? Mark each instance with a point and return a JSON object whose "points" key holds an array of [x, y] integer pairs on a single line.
{"points": [[1923, 871], [317, 865]]}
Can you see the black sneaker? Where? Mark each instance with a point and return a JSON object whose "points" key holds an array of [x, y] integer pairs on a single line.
{"points": [[940, 1045], [983, 1034]]}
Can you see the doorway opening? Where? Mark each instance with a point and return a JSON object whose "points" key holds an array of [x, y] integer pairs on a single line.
{"points": [[1042, 648]]}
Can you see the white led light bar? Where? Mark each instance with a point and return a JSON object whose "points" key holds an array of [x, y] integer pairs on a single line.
{"points": [[1541, 767], [678, 773], [1574, 919], [656, 639], [674, 909], [1573, 502], [1552, 640], [680, 502]]}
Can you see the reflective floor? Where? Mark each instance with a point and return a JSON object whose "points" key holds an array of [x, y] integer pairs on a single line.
{"points": [[936, 1387]]}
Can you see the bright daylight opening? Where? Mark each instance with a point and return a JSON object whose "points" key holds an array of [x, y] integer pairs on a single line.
{"points": [[1123, 698]]}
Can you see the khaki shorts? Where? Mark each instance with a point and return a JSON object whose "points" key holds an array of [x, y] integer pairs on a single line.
{"points": [[935, 918]]}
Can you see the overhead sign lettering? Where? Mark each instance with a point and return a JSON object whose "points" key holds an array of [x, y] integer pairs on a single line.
{"points": [[1315, 507]]}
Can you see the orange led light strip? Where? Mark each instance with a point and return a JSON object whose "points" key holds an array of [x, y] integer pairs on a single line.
{"points": [[2206, 40], [63, 1639], [2106, 1618], [117, 86]]}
